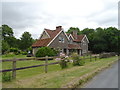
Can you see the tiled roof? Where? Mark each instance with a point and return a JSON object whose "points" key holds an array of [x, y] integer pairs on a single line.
{"points": [[79, 38], [45, 42], [73, 46], [42, 42], [52, 33]]}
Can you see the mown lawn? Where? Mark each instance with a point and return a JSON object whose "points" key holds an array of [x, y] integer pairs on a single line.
{"points": [[56, 77]]}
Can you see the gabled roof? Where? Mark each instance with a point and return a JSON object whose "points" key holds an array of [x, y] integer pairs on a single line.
{"points": [[79, 38], [70, 35], [52, 33]]}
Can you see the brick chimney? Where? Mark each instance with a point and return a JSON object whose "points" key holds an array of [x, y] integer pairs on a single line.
{"points": [[74, 33], [59, 28]]}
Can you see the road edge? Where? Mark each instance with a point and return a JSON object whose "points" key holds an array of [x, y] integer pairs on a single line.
{"points": [[85, 78]]}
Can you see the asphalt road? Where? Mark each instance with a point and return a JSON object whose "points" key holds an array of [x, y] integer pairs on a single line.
{"points": [[105, 79]]}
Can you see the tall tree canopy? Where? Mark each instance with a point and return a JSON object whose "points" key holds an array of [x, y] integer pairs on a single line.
{"points": [[7, 31], [26, 41], [9, 40], [8, 36]]}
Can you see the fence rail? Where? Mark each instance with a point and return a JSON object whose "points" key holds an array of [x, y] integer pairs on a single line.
{"points": [[43, 58], [7, 70], [24, 59]]}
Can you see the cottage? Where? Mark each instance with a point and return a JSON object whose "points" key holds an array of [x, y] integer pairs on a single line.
{"points": [[66, 43]]}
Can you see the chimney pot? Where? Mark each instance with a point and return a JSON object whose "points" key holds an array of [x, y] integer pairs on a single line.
{"points": [[75, 33], [59, 28]]}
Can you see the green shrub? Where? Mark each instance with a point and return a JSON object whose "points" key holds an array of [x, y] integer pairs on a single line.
{"points": [[45, 51], [16, 51], [55, 51], [63, 64], [13, 49], [76, 59], [23, 53], [29, 49], [6, 76]]}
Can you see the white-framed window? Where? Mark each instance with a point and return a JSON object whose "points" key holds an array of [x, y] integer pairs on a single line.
{"points": [[61, 39]]}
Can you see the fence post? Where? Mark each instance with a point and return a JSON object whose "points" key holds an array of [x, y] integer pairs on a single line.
{"points": [[46, 62], [14, 67]]}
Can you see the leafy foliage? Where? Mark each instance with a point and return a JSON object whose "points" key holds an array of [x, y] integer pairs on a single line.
{"points": [[45, 51], [5, 47], [71, 29], [15, 50], [26, 41], [76, 59], [24, 53], [6, 76], [9, 42], [6, 31], [63, 64]]}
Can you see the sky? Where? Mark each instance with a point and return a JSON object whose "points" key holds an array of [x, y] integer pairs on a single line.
{"points": [[35, 15]]}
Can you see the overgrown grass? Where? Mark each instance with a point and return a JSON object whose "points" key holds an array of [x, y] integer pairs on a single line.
{"points": [[56, 77]]}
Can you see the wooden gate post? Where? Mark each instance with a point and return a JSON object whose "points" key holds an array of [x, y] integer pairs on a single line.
{"points": [[14, 67], [46, 62]]}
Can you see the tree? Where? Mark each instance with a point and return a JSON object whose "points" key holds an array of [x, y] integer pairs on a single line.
{"points": [[90, 34], [26, 41], [12, 41], [99, 41], [5, 47], [71, 29], [111, 36], [6, 31], [7, 35]]}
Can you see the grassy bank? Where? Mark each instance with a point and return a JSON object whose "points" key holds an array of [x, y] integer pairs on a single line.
{"points": [[55, 78]]}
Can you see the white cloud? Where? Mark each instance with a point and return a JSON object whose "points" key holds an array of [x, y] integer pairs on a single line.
{"points": [[35, 15]]}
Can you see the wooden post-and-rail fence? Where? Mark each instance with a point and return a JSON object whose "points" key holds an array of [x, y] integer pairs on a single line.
{"points": [[15, 60], [46, 64]]}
